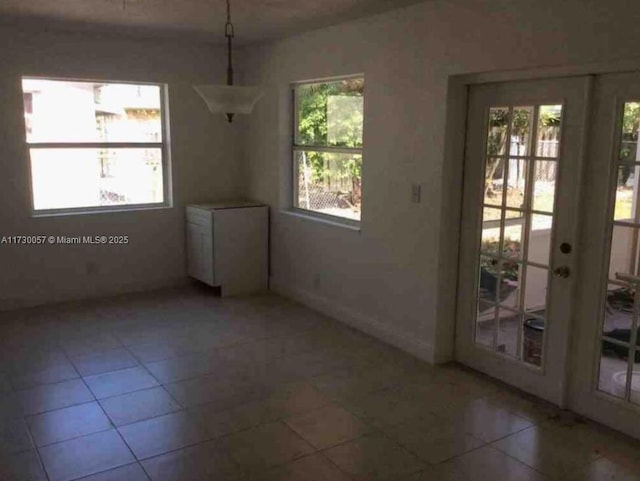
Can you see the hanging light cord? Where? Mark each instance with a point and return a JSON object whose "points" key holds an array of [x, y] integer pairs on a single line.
{"points": [[229, 33]]}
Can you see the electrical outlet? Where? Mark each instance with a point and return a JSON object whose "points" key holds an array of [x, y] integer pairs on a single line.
{"points": [[416, 193], [91, 268]]}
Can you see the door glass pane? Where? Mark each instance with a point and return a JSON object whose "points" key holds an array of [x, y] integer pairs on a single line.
{"points": [[521, 131], [513, 238], [494, 180], [548, 132], [488, 283], [612, 375], [624, 251], [485, 327], [508, 332], [618, 315], [532, 339], [491, 231], [510, 284], [629, 138], [626, 193], [516, 183], [497, 135], [544, 185], [539, 247], [535, 298]]}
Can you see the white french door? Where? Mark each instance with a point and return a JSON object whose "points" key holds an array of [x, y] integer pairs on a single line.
{"points": [[515, 285], [605, 381], [550, 247]]}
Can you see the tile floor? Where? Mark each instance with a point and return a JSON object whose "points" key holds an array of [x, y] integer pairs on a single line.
{"points": [[183, 386]]}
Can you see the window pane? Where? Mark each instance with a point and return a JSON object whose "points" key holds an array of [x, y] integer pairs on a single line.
{"points": [[494, 180], [497, 135], [508, 332], [539, 248], [612, 377], [516, 183], [548, 136], [630, 124], [72, 178], [626, 207], [544, 185], [329, 183], [73, 111], [330, 113], [521, 131]]}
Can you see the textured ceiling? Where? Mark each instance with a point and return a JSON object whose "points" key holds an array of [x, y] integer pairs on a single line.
{"points": [[254, 20]]}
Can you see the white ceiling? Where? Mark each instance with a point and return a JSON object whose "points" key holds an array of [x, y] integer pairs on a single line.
{"points": [[254, 20]]}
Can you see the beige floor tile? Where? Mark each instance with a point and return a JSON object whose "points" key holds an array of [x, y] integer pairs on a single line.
{"points": [[89, 344], [85, 456], [23, 466], [162, 434], [138, 406], [523, 405], [266, 446], [434, 441], [187, 367], [101, 362], [486, 421], [67, 423], [327, 426], [130, 472], [120, 382], [386, 407], [14, 436], [205, 462], [288, 400], [49, 375], [603, 470], [352, 383], [54, 396], [310, 468], [547, 452], [374, 457], [486, 464]]}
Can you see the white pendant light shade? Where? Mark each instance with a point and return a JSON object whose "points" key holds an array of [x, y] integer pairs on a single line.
{"points": [[229, 99]]}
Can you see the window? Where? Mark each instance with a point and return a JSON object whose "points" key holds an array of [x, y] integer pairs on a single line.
{"points": [[95, 145], [327, 147]]}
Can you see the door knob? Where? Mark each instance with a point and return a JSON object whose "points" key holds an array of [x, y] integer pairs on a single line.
{"points": [[562, 271]]}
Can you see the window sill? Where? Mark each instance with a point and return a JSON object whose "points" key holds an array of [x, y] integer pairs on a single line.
{"points": [[329, 220], [115, 210]]}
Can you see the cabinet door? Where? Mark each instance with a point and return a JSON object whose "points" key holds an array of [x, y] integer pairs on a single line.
{"points": [[199, 253], [241, 249]]}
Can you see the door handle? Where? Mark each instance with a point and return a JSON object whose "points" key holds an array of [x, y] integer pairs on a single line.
{"points": [[627, 278], [562, 271]]}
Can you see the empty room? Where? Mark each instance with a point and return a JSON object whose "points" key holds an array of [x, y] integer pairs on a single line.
{"points": [[319, 240]]}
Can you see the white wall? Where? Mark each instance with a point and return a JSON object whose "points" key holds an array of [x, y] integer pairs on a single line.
{"points": [[397, 276], [203, 156]]}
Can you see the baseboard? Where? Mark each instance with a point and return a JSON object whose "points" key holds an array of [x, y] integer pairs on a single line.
{"points": [[10, 304], [405, 342]]}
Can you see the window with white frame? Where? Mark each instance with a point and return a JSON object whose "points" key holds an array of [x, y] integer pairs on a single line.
{"points": [[327, 147], [95, 145]]}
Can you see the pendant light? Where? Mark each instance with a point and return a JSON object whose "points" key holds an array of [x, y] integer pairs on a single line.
{"points": [[229, 99]]}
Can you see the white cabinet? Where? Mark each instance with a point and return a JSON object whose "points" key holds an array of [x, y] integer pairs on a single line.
{"points": [[227, 246]]}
